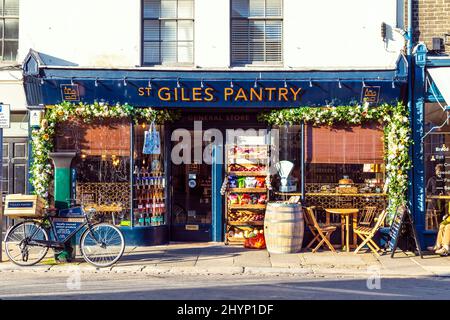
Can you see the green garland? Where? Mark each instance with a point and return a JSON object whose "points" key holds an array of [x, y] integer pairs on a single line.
{"points": [[42, 138], [397, 137]]}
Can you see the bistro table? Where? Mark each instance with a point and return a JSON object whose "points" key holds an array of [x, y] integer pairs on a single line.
{"points": [[345, 214]]}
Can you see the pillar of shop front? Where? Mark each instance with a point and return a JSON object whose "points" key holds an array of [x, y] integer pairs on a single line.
{"points": [[62, 193]]}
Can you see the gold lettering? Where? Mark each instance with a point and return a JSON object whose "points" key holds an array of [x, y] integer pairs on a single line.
{"points": [[208, 92], [183, 97], [175, 94], [166, 96], [241, 95], [282, 93], [254, 93], [270, 90], [141, 91], [196, 94], [148, 90], [227, 92], [295, 93]]}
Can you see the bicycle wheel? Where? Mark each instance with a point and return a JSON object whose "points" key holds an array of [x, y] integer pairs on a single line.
{"points": [[16, 243], [103, 246]]}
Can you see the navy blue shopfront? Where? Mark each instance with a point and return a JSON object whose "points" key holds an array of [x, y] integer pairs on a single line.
{"points": [[219, 95]]}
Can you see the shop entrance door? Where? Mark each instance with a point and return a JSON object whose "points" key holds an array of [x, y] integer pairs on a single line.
{"points": [[191, 199]]}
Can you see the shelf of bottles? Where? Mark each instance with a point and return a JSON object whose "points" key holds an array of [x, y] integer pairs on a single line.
{"points": [[149, 197]]}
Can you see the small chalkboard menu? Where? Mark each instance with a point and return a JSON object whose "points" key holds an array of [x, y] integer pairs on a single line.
{"points": [[402, 224]]}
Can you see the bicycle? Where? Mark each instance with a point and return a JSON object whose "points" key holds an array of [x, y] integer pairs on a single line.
{"points": [[27, 243]]}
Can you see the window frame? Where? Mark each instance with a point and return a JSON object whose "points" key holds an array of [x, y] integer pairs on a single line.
{"points": [[265, 18], [160, 20], [3, 19]]}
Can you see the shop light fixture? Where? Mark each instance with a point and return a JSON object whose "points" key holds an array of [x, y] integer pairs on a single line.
{"points": [[201, 84], [71, 81], [256, 83], [285, 84], [96, 82], [231, 83], [393, 84], [125, 82], [339, 84], [178, 83], [150, 83], [310, 83], [363, 83]]}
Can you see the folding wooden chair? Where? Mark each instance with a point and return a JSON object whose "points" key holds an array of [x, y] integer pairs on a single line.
{"points": [[321, 233], [366, 233], [367, 217]]}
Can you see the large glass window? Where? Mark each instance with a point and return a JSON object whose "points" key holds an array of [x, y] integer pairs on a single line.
{"points": [[101, 166], [256, 31], [168, 32], [9, 29], [437, 164]]}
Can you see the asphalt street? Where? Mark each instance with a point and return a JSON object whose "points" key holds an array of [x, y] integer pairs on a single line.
{"points": [[138, 286]]}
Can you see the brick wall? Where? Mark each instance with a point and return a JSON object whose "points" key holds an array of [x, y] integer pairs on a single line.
{"points": [[431, 19]]}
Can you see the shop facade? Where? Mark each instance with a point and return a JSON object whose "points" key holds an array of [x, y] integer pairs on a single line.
{"points": [[175, 193], [430, 188]]}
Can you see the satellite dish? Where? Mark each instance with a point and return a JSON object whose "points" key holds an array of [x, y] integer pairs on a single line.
{"points": [[284, 169]]}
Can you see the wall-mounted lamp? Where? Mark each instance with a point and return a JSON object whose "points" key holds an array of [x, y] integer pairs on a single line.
{"points": [[339, 84], [201, 84], [71, 81], [96, 82], [285, 83], [383, 30], [256, 83], [231, 83], [310, 83], [393, 84], [363, 83], [125, 82], [150, 83], [178, 83]]}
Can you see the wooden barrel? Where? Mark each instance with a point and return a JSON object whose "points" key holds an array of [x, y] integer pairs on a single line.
{"points": [[283, 227]]}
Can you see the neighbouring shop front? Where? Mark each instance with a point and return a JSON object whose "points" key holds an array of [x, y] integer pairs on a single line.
{"points": [[343, 133]]}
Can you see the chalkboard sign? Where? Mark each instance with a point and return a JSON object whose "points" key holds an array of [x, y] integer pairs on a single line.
{"points": [[402, 218]]}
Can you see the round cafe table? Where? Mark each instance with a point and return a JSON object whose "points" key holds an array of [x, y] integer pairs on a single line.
{"points": [[345, 214]]}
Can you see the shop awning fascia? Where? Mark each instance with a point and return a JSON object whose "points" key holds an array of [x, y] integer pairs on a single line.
{"points": [[440, 88]]}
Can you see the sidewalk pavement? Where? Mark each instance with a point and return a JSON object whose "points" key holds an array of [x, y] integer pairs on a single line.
{"points": [[217, 258]]}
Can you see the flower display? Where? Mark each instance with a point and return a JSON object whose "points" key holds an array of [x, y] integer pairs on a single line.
{"points": [[397, 137], [42, 137]]}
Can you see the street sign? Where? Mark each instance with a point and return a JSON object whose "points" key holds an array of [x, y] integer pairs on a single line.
{"points": [[4, 116]]}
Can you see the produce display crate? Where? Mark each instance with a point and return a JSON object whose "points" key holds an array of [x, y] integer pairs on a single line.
{"points": [[23, 206], [245, 161]]}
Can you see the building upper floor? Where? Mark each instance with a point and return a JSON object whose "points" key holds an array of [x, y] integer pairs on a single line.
{"points": [[213, 34]]}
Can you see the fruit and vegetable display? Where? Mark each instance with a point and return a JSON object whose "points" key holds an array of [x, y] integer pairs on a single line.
{"points": [[245, 216], [247, 167], [243, 232], [255, 241], [246, 198]]}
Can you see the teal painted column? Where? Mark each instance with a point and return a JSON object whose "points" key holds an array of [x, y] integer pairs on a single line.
{"points": [[417, 113], [217, 199], [62, 178]]}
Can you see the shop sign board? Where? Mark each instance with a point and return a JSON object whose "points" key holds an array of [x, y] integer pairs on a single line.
{"points": [[259, 93], [5, 121]]}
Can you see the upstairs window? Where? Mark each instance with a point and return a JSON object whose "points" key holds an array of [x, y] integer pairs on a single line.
{"points": [[9, 29], [256, 32], [168, 32]]}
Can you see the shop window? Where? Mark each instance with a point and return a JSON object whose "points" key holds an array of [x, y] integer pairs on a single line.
{"points": [[344, 167], [9, 29], [256, 31], [168, 32], [102, 165], [437, 164], [149, 179]]}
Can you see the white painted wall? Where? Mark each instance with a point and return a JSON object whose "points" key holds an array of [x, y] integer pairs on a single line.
{"points": [[319, 34]]}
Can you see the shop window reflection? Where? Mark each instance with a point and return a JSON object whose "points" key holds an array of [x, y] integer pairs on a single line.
{"points": [[436, 162]]}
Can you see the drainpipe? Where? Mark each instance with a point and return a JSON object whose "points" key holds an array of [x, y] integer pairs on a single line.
{"points": [[409, 46]]}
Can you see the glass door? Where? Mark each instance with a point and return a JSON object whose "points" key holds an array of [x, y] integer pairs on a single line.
{"points": [[191, 200]]}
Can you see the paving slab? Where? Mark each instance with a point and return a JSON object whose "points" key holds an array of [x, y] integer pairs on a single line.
{"points": [[286, 260], [215, 261], [278, 270], [333, 259], [253, 258]]}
